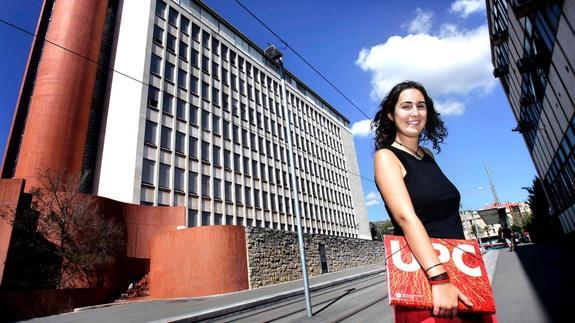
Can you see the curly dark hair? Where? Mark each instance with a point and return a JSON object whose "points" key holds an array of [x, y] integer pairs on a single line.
{"points": [[384, 128]]}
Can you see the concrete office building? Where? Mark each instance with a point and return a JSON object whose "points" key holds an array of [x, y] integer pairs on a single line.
{"points": [[533, 52], [192, 117]]}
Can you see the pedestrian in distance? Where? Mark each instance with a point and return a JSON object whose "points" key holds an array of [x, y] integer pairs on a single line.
{"points": [[507, 235], [422, 202]]}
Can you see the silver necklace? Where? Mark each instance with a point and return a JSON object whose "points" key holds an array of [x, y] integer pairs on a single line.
{"points": [[414, 152]]}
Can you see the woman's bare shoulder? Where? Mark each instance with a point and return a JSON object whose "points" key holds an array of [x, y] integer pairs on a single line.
{"points": [[385, 157]]}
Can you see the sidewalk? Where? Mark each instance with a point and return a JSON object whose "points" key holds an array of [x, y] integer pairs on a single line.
{"points": [[535, 283], [206, 307]]}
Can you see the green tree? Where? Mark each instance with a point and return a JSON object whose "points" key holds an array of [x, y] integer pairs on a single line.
{"points": [[380, 228]]}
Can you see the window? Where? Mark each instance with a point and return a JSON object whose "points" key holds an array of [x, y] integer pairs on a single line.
{"points": [[150, 134], [194, 85], [205, 185], [153, 96], [192, 183], [235, 107], [206, 218], [171, 43], [173, 17], [217, 188], [205, 91], [179, 179], [166, 138], [263, 172], [253, 141], [184, 25], [164, 175], [216, 155], [226, 129], [148, 171], [271, 174], [182, 78], [193, 147], [238, 194], [226, 102], [215, 70], [216, 124], [215, 45], [180, 142], [265, 200], [246, 166], [233, 57], [224, 52], [167, 103], [215, 97], [205, 64], [183, 51], [257, 198], [224, 76], [158, 35], [236, 134], [195, 32], [181, 109], [248, 196], [227, 159], [255, 168], [244, 137], [234, 81], [236, 162], [155, 65], [205, 151], [195, 58], [205, 38], [228, 191], [160, 8], [169, 72], [194, 115], [205, 120]]}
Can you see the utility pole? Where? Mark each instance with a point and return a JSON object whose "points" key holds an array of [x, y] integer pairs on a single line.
{"points": [[275, 55]]}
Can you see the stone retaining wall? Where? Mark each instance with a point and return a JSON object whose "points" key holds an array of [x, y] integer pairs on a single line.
{"points": [[273, 255]]}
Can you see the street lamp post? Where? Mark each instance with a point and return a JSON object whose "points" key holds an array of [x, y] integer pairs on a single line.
{"points": [[275, 55]]}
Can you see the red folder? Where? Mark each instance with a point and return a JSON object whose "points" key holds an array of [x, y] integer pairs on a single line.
{"points": [[408, 285]]}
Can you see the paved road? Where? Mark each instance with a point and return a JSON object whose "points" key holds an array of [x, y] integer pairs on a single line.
{"points": [[363, 300]]}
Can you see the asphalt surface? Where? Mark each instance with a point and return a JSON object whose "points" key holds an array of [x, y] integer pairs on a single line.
{"points": [[536, 283]]}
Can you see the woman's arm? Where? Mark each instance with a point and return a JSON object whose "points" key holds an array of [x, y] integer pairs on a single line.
{"points": [[389, 178]]}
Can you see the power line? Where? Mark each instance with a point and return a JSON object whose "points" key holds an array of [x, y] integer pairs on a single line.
{"points": [[273, 139], [303, 59]]}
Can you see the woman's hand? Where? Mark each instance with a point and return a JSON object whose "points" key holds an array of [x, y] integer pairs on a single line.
{"points": [[446, 299]]}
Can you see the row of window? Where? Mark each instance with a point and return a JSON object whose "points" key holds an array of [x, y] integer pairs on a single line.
{"points": [[315, 117], [321, 227]]}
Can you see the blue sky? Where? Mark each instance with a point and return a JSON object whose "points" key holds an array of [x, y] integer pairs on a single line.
{"points": [[363, 48]]}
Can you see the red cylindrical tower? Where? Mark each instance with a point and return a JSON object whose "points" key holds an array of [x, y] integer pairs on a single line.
{"points": [[57, 122]]}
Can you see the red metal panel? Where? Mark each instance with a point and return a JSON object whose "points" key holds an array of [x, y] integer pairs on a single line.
{"points": [[199, 261]]}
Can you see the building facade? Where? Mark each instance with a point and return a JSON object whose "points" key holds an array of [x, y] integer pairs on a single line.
{"points": [[187, 111], [533, 52]]}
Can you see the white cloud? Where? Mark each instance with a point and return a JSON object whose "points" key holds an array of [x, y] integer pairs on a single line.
{"points": [[449, 107], [466, 7], [372, 199], [452, 64], [361, 128], [421, 24]]}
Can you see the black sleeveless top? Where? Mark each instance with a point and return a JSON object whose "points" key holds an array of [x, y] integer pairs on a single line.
{"points": [[434, 198]]}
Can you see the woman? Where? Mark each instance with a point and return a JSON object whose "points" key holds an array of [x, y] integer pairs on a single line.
{"points": [[422, 202]]}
